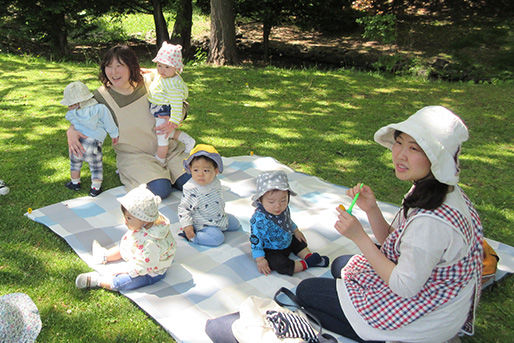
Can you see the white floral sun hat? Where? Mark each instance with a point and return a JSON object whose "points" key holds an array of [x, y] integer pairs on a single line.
{"points": [[439, 132], [268, 181], [142, 203], [170, 55], [19, 318], [76, 92]]}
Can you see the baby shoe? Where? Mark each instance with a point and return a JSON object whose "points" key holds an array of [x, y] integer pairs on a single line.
{"points": [[94, 192], [73, 186], [87, 280], [3, 188]]}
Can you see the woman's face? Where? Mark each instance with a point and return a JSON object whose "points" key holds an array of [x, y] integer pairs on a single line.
{"points": [[410, 161], [118, 74]]}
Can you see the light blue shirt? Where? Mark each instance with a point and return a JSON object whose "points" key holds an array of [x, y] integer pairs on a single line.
{"points": [[94, 121]]}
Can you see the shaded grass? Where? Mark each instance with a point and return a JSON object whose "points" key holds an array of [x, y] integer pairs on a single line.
{"points": [[320, 123]]}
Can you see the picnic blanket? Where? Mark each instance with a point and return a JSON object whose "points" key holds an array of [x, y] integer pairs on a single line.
{"points": [[205, 282]]}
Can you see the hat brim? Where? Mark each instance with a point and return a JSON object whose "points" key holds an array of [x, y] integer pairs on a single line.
{"points": [[215, 157], [255, 198], [69, 102]]}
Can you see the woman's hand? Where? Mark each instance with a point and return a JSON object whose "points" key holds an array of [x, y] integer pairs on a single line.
{"points": [[366, 200], [262, 265], [348, 226], [165, 128], [74, 145], [300, 236], [115, 140]]}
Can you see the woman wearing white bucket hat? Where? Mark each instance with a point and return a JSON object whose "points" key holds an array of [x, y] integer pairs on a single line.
{"points": [[125, 93], [423, 284]]}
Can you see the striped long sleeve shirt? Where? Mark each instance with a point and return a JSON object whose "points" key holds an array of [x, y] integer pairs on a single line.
{"points": [[169, 91], [202, 206]]}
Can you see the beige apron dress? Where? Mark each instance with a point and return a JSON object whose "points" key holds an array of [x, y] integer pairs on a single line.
{"points": [[137, 145]]}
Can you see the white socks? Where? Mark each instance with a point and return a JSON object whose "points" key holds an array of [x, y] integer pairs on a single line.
{"points": [[188, 141]]}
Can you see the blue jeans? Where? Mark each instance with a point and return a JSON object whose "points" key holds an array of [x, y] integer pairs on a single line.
{"points": [[212, 235], [163, 187], [123, 282]]}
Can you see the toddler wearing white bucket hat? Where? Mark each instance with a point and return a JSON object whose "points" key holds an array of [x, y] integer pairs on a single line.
{"points": [[167, 95], [148, 246], [93, 120]]}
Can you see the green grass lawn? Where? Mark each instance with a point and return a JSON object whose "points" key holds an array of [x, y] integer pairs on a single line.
{"points": [[320, 123]]}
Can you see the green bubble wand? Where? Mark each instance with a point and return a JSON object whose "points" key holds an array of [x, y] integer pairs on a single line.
{"points": [[349, 210]]}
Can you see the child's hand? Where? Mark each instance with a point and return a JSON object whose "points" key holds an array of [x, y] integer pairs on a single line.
{"points": [[300, 236], [115, 140], [190, 232], [262, 265]]}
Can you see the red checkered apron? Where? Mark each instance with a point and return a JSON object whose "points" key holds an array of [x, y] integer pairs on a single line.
{"points": [[385, 310]]}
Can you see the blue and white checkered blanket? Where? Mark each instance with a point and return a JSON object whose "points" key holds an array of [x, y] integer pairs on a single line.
{"points": [[205, 282]]}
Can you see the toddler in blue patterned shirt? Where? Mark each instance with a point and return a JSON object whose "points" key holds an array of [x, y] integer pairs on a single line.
{"points": [[274, 235]]}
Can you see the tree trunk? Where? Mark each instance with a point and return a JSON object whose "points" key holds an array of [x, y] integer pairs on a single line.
{"points": [[223, 49], [266, 31], [59, 33], [182, 28], [161, 28]]}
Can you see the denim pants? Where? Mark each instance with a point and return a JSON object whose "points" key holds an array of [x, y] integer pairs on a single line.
{"points": [[319, 296], [163, 187], [123, 282], [212, 235]]}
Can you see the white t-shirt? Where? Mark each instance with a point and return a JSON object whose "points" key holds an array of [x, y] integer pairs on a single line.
{"points": [[425, 244]]}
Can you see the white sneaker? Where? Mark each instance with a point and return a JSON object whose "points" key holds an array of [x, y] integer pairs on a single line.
{"points": [[99, 253], [87, 280], [188, 141]]}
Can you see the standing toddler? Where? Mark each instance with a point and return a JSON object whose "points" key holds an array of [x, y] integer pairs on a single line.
{"points": [[273, 234], [93, 120], [202, 209], [148, 247], [167, 94]]}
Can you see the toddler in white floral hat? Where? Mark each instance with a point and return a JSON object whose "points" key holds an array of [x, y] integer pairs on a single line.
{"points": [[167, 95], [148, 246]]}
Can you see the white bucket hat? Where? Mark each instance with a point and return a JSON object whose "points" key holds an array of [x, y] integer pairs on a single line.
{"points": [[170, 55], [19, 318], [439, 132], [76, 92], [268, 181], [142, 203]]}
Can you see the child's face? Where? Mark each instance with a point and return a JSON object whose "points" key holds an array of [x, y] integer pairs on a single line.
{"points": [[133, 223], [203, 171], [275, 201], [74, 106], [165, 70]]}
